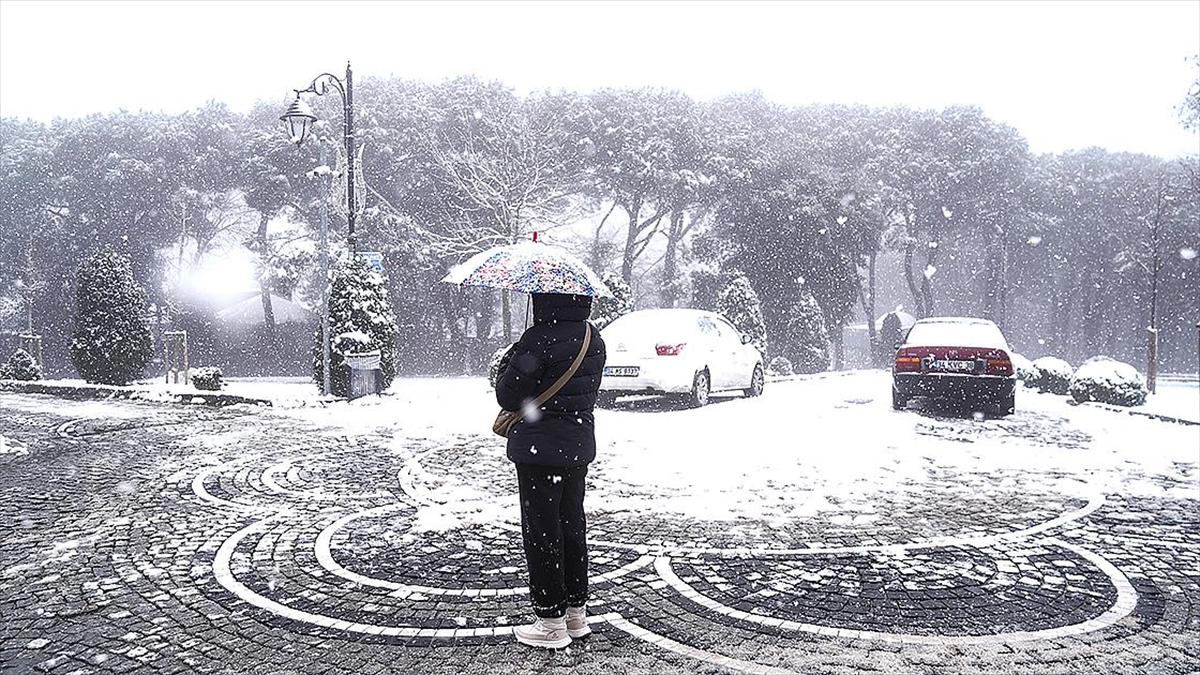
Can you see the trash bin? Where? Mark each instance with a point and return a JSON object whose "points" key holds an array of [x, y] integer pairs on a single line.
{"points": [[365, 373]]}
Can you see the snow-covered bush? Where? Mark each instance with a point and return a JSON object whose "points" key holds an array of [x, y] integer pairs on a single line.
{"points": [[607, 310], [780, 365], [1106, 380], [494, 364], [1023, 367], [111, 341], [740, 304], [1051, 374], [20, 366], [210, 378], [360, 319], [806, 342]]}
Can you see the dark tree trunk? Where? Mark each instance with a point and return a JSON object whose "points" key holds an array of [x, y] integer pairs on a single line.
{"points": [[271, 355], [670, 292], [633, 210]]}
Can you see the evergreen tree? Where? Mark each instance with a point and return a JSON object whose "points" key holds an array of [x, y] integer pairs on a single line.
{"points": [[20, 366], [607, 310], [807, 341], [360, 319], [740, 304], [111, 342]]}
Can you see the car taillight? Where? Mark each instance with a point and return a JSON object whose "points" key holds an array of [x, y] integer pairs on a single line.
{"points": [[1000, 366], [907, 364], [669, 350]]}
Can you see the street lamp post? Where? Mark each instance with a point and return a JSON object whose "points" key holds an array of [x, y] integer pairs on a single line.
{"points": [[325, 348], [299, 118]]}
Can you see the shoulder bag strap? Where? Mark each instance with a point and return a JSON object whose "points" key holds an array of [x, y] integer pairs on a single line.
{"points": [[587, 340]]}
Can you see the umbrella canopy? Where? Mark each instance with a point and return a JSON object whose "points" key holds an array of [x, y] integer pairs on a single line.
{"points": [[529, 267]]}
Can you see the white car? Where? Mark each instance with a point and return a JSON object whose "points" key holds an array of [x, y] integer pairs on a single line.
{"points": [[684, 352]]}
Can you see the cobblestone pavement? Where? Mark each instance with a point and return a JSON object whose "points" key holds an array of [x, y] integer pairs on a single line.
{"points": [[166, 539]]}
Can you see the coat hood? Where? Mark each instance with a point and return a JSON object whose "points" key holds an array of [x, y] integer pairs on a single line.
{"points": [[551, 307]]}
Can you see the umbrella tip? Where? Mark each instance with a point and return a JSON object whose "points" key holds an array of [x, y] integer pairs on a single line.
{"points": [[535, 235]]}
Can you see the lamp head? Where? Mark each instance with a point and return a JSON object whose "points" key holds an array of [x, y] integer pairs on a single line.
{"points": [[299, 119]]}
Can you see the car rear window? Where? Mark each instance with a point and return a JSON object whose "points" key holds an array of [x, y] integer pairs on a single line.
{"points": [[955, 334]]}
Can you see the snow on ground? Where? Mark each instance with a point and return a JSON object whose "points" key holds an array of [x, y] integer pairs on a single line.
{"points": [[825, 444]]}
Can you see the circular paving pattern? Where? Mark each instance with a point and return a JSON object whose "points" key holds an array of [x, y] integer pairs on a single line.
{"points": [[410, 542], [333, 548]]}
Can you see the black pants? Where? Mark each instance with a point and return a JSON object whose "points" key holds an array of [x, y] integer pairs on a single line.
{"points": [[553, 530]]}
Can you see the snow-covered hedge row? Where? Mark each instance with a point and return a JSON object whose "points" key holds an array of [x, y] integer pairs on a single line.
{"points": [[1051, 374], [1106, 380], [1023, 367], [208, 379], [780, 365]]}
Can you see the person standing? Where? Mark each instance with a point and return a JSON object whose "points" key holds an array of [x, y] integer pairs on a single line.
{"points": [[552, 447]]}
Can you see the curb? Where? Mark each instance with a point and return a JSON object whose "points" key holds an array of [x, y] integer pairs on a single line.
{"points": [[1141, 413], [108, 392]]}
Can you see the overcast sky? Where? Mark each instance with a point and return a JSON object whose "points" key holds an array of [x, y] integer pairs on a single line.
{"points": [[1067, 75]]}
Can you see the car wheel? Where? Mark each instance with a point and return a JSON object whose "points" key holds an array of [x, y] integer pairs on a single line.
{"points": [[606, 399], [700, 390], [756, 382], [899, 401]]}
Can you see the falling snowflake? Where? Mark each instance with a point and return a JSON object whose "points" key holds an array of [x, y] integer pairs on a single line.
{"points": [[1034, 240], [1187, 253], [947, 213], [930, 270]]}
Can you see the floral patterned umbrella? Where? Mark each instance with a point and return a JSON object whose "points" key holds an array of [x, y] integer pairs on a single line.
{"points": [[529, 267]]}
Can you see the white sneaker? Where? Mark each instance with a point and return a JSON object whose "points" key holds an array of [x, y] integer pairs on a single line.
{"points": [[577, 625], [548, 633]]}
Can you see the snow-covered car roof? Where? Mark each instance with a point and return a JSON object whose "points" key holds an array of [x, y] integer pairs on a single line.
{"points": [[651, 323], [955, 331]]}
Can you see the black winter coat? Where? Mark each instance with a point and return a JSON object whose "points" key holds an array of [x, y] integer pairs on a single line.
{"points": [[563, 431]]}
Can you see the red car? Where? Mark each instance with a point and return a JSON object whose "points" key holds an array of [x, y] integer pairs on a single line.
{"points": [[955, 358]]}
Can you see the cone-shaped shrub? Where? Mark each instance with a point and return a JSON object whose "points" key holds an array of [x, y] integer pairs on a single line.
{"points": [[740, 304], [606, 310], [360, 319], [807, 341], [111, 342]]}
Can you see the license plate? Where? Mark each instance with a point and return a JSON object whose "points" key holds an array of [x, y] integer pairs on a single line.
{"points": [[955, 366], [621, 371]]}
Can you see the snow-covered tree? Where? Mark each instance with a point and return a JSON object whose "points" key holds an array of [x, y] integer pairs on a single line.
{"points": [[111, 342], [360, 319], [607, 310], [806, 343], [740, 304]]}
